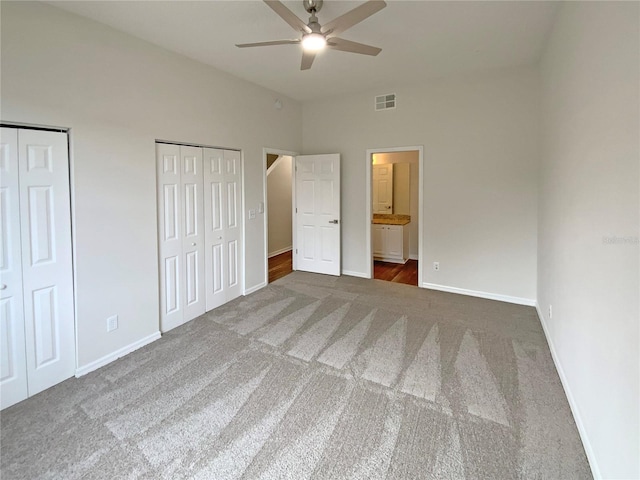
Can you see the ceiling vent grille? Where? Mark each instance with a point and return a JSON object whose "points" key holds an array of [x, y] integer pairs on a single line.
{"points": [[386, 102]]}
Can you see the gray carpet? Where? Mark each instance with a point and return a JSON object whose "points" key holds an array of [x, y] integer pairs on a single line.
{"points": [[314, 377]]}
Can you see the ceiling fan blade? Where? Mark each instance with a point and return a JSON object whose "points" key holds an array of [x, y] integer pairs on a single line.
{"points": [[267, 44], [307, 60], [353, 47], [349, 19], [288, 16]]}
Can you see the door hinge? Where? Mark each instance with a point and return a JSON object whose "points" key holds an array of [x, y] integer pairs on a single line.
{"points": [[296, 251]]}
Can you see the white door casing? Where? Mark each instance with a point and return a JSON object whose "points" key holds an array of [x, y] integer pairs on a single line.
{"points": [[317, 215], [13, 360], [383, 188], [192, 231], [223, 228]]}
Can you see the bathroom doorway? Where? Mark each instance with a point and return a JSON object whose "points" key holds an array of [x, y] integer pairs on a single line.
{"points": [[394, 201]]}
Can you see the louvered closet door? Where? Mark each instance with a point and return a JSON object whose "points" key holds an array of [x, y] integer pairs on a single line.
{"points": [[223, 229], [13, 359]]}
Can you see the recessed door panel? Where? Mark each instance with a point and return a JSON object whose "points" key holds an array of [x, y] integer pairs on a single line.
{"points": [[309, 242], [327, 248], [40, 157], [216, 205], [172, 284], [232, 199], [307, 198], [191, 260], [5, 228], [190, 209], [326, 197], [233, 263], [45, 324], [41, 224], [8, 365], [170, 164], [171, 212], [216, 269]]}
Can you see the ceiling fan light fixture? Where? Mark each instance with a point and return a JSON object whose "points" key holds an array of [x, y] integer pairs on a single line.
{"points": [[314, 42]]}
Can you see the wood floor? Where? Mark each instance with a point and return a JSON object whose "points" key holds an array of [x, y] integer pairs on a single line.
{"points": [[281, 265], [397, 272]]}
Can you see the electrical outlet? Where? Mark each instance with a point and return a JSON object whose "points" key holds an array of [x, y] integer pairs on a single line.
{"points": [[112, 323], [550, 312], [252, 213], [436, 266]]}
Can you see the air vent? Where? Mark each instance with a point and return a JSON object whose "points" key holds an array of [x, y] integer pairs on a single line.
{"points": [[385, 102]]}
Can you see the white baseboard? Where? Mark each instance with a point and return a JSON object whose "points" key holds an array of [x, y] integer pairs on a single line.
{"points": [[101, 362], [255, 288], [414, 257], [595, 470], [475, 293], [278, 252], [351, 273]]}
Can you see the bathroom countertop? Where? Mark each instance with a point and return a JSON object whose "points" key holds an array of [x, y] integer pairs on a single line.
{"points": [[390, 219]]}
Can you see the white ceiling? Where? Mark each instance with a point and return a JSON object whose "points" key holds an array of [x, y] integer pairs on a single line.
{"points": [[420, 40]]}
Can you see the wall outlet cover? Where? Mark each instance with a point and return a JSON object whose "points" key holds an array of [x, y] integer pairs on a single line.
{"points": [[112, 323]]}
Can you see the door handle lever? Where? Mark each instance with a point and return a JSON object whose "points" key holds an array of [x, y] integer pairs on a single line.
{"points": [[334, 221]]}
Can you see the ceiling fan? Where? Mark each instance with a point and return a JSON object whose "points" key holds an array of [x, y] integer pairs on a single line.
{"points": [[316, 37]]}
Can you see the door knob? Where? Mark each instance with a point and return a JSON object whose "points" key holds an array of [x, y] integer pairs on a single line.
{"points": [[334, 221], [219, 238], [193, 244], [3, 287]]}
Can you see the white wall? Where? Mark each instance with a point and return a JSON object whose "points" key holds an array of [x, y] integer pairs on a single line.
{"points": [[589, 192], [118, 95], [480, 137], [279, 208]]}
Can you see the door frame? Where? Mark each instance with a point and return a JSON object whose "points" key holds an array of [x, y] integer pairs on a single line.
{"points": [[369, 207], [265, 202]]}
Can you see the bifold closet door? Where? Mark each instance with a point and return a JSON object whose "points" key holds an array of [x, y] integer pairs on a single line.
{"points": [[181, 232], [13, 358], [193, 232], [223, 228], [45, 329]]}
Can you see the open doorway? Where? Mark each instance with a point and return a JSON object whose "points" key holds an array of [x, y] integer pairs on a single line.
{"points": [[394, 203], [278, 196]]}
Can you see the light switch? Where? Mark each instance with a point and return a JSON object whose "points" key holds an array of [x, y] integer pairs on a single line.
{"points": [[261, 207], [252, 213]]}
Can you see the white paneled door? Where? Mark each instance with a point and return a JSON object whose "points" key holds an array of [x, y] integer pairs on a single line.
{"points": [[223, 228], [383, 188], [317, 215], [42, 332], [200, 230], [192, 231], [13, 379]]}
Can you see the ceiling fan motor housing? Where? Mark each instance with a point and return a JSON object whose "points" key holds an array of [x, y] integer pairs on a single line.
{"points": [[312, 6]]}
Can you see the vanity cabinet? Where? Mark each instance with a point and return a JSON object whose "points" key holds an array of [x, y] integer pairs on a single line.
{"points": [[390, 242]]}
